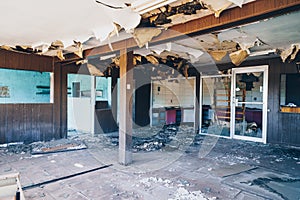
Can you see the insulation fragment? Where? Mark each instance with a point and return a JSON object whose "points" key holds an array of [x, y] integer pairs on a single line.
{"points": [[237, 2], [217, 7], [60, 55], [218, 55], [292, 52], [57, 45], [152, 60], [238, 57], [144, 35], [5, 47], [76, 48]]}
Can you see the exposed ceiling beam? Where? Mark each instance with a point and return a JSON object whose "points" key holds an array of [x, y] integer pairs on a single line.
{"points": [[251, 12]]}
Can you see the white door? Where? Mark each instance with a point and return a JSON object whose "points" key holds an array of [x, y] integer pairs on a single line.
{"points": [[249, 103]]}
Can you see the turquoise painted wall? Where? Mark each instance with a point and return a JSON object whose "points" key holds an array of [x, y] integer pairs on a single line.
{"points": [[25, 86], [102, 83]]}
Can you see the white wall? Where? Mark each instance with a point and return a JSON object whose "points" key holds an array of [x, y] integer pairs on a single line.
{"points": [[79, 114], [179, 92]]}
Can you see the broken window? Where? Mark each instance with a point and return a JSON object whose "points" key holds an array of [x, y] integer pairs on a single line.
{"points": [[216, 105], [22, 86], [289, 93]]}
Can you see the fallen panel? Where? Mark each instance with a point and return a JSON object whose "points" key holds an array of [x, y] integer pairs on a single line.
{"points": [[57, 146]]}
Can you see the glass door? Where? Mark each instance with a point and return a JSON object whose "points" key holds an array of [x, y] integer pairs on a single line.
{"points": [[249, 103], [215, 105]]}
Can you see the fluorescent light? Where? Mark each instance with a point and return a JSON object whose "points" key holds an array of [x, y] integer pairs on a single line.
{"points": [[144, 7], [108, 56]]}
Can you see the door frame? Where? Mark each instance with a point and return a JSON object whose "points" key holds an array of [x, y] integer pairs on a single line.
{"points": [[235, 71], [201, 101]]}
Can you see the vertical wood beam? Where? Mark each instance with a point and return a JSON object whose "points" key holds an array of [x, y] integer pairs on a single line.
{"points": [[93, 104], [64, 103], [197, 104], [126, 91], [57, 101], [60, 102], [114, 94]]}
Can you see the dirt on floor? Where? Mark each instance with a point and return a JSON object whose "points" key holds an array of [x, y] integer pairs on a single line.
{"points": [[170, 162]]}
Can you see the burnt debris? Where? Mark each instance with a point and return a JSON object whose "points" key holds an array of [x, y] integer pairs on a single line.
{"points": [[163, 17]]}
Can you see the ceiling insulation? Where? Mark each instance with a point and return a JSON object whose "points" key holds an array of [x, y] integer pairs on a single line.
{"points": [[75, 25], [179, 12]]}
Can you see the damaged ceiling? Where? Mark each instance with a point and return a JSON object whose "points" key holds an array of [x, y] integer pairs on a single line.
{"points": [[38, 26], [87, 24], [278, 36]]}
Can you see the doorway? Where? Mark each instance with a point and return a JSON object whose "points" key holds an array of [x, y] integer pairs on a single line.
{"points": [[249, 103], [235, 105]]}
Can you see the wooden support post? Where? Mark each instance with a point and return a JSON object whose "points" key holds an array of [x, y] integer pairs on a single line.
{"points": [[114, 94], [197, 104], [125, 121], [57, 101], [93, 104], [60, 102]]}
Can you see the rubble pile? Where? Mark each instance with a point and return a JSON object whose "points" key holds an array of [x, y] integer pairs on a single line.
{"points": [[17, 147], [184, 194], [155, 141]]}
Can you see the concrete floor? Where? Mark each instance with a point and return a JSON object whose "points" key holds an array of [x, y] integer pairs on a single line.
{"points": [[211, 168]]}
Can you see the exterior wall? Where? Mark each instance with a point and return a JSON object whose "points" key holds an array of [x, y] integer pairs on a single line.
{"points": [[27, 122]]}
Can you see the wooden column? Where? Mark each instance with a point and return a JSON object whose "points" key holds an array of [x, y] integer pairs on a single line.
{"points": [[57, 101], [64, 103], [93, 104], [114, 94], [60, 102], [126, 91], [197, 104]]}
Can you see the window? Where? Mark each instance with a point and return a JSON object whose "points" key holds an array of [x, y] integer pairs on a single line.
{"points": [[22, 86], [289, 93]]}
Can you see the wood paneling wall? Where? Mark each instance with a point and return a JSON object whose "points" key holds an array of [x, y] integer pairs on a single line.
{"points": [[34, 122], [26, 122], [26, 61], [283, 128]]}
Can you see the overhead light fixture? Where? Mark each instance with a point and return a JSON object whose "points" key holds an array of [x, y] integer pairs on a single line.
{"points": [[146, 6], [108, 56], [261, 53]]}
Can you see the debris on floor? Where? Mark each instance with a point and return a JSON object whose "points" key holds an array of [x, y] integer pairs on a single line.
{"points": [[184, 194], [169, 136], [15, 147], [56, 146]]}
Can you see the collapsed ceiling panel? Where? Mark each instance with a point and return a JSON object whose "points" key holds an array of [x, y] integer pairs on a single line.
{"points": [[42, 22], [237, 44]]}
